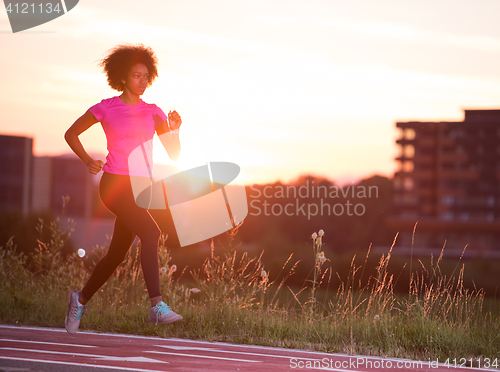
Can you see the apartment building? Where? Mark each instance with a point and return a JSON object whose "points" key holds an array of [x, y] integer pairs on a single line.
{"points": [[448, 181]]}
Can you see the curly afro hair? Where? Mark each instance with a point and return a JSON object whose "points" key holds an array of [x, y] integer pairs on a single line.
{"points": [[120, 60]]}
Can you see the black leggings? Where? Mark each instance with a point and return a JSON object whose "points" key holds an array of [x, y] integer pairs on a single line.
{"points": [[131, 220]]}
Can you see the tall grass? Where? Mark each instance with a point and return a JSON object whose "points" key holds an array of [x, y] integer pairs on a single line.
{"points": [[232, 298]]}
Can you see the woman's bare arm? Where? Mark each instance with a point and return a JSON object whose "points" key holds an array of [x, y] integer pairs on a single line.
{"points": [[83, 123]]}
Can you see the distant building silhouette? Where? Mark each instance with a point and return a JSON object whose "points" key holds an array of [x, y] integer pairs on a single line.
{"points": [[31, 184], [72, 178], [36, 184], [448, 181], [16, 160], [58, 177], [42, 179]]}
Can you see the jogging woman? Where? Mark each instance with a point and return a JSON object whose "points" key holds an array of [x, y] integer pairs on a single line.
{"points": [[128, 123]]}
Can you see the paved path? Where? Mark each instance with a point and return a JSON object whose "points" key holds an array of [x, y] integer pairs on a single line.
{"points": [[48, 349]]}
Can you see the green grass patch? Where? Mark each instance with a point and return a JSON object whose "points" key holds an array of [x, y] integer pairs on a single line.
{"points": [[232, 299]]}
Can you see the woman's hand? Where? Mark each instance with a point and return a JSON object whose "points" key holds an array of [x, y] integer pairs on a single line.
{"points": [[95, 166], [174, 120]]}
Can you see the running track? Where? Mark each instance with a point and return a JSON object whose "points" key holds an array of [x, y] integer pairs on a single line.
{"points": [[49, 349]]}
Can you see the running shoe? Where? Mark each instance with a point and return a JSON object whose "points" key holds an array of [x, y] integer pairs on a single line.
{"points": [[75, 312], [162, 314]]}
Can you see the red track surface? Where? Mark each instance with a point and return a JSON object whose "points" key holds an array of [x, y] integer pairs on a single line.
{"points": [[137, 353]]}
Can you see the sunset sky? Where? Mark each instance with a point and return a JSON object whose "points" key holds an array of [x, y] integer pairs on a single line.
{"points": [[280, 87]]}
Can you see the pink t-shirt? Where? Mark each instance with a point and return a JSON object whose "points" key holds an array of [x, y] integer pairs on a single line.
{"points": [[127, 127]]}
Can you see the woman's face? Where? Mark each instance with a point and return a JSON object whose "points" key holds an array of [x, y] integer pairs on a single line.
{"points": [[137, 79]]}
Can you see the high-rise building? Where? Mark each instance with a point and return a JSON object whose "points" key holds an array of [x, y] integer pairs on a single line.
{"points": [[448, 180], [32, 184], [36, 184], [16, 159]]}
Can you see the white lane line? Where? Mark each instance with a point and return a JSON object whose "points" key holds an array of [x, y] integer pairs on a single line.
{"points": [[322, 354], [132, 359], [49, 352], [187, 348], [159, 339], [124, 359], [276, 349], [202, 356], [80, 364], [299, 361], [44, 343]]}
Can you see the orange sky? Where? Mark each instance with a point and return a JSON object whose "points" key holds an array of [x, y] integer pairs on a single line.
{"points": [[280, 87]]}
